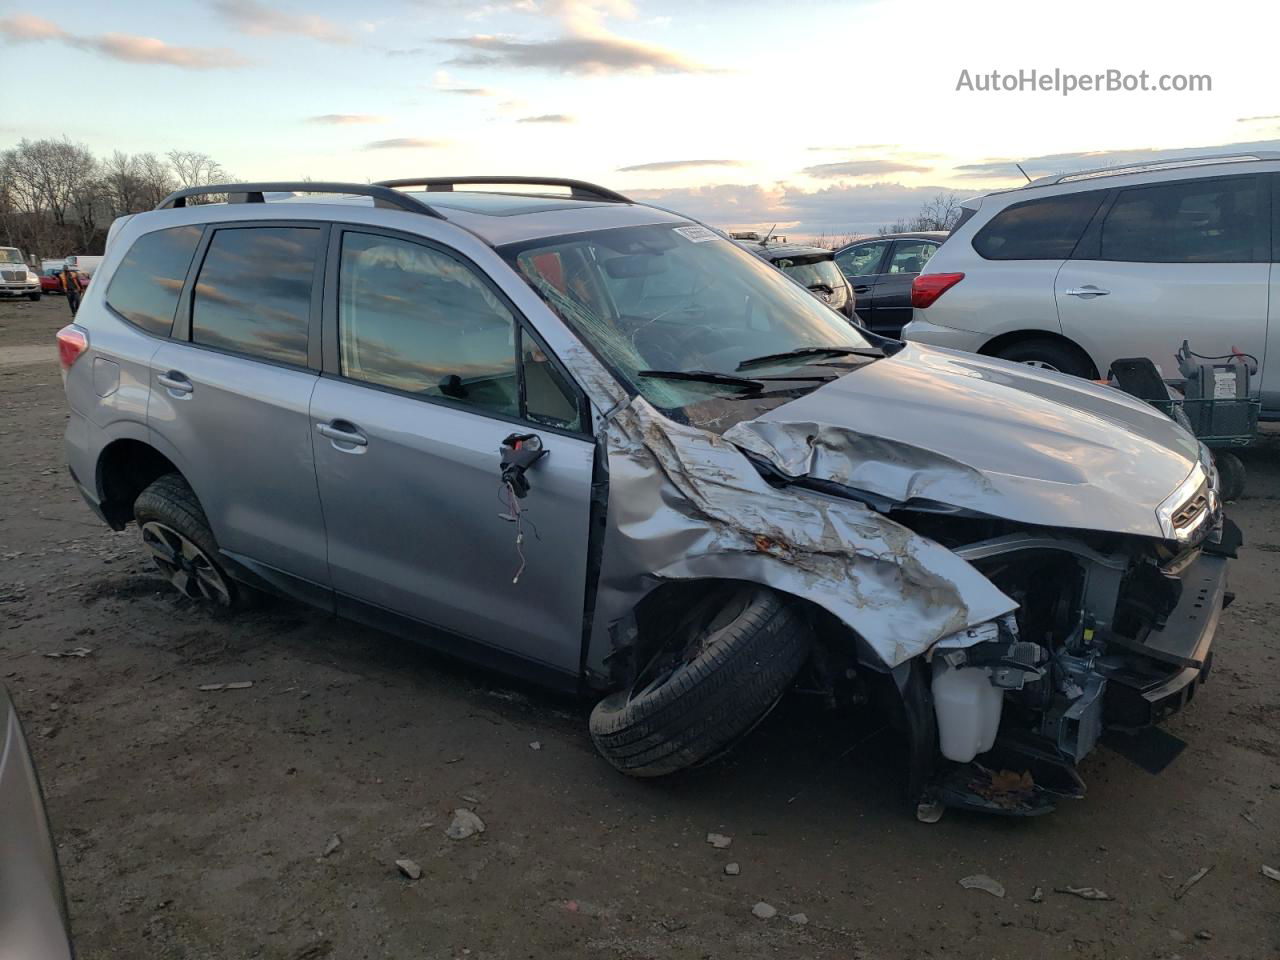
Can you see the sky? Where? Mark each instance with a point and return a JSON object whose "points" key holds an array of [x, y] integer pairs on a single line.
{"points": [[821, 117]]}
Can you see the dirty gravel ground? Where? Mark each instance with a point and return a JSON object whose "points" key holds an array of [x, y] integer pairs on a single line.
{"points": [[192, 824]]}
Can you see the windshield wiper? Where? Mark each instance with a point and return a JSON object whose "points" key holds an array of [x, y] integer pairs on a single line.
{"points": [[874, 353], [706, 376]]}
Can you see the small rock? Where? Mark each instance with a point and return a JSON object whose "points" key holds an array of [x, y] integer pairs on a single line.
{"points": [[764, 911], [980, 881], [1037, 896], [465, 824], [798, 918], [409, 869], [719, 840], [535, 745], [334, 843], [1203, 935], [732, 869]]}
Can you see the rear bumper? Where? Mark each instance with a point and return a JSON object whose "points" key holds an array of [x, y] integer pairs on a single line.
{"points": [[922, 331]]}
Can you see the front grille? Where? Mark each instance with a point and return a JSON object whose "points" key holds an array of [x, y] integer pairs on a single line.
{"points": [[1189, 513], [13, 275]]}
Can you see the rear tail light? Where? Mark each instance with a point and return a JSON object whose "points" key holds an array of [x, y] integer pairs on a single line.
{"points": [[73, 340], [928, 287]]}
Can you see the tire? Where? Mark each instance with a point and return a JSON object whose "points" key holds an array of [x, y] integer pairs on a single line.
{"points": [[726, 665], [1230, 475], [1049, 355], [33, 297], [168, 508]]}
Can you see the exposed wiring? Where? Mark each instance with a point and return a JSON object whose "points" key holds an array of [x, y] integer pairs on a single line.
{"points": [[514, 514]]}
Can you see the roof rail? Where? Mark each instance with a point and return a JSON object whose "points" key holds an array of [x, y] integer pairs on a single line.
{"points": [[578, 189], [253, 193], [1173, 163]]}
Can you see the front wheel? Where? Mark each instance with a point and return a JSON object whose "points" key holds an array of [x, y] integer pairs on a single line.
{"points": [[1048, 355], [33, 297], [182, 546], [1230, 475]]}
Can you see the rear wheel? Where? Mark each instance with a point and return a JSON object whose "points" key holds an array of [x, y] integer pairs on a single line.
{"points": [[1048, 355], [725, 665], [182, 546], [1230, 475]]}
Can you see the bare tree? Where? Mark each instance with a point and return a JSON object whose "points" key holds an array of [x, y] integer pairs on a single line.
{"points": [[940, 213], [194, 169]]}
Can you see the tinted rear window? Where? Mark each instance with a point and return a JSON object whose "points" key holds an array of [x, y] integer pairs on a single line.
{"points": [[253, 294], [1045, 229], [1194, 221], [146, 285]]}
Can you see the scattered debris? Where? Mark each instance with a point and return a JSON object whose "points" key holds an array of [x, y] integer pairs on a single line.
{"points": [[465, 824], [236, 685], [927, 812], [535, 745], [1271, 872], [764, 911], [732, 869], [672, 926], [334, 843], [719, 840], [1037, 895], [1191, 881], [314, 951], [463, 796], [80, 652], [1085, 893], [798, 918], [1248, 819], [1203, 935], [980, 881], [409, 869]]}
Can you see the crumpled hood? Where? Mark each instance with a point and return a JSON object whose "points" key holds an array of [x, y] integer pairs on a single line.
{"points": [[1000, 438]]}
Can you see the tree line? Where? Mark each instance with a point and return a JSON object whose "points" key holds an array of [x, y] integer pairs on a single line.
{"points": [[57, 198]]}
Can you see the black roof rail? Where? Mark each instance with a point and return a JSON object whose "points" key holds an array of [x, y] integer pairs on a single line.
{"points": [[254, 193], [578, 189]]}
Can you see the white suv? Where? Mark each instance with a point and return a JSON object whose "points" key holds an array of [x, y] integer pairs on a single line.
{"points": [[1072, 272]]}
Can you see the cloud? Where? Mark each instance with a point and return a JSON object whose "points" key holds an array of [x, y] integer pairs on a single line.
{"points": [[1256, 119], [257, 19], [469, 91], [585, 45], [547, 118], [404, 143], [1055, 163], [862, 168], [344, 119], [860, 146], [130, 48], [677, 165]]}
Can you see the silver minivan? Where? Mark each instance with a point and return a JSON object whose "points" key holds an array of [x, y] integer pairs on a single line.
{"points": [[597, 445], [1073, 272]]}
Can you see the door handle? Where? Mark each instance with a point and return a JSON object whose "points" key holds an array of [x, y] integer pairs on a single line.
{"points": [[1088, 290], [862, 288], [175, 381], [340, 431]]}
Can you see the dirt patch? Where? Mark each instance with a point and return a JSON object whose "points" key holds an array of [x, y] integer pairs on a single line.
{"points": [[192, 824]]}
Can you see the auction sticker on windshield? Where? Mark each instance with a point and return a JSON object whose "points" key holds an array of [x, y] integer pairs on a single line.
{"points": [[696, 234]]}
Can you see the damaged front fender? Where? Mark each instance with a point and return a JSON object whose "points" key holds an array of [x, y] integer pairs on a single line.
{"points": [[686, 504]]}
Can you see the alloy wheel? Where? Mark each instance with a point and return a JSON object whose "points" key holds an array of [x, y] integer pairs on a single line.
{"points": [[185, 565]]}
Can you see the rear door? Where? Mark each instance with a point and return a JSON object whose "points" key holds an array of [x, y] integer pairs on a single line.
{"points": [[1167, 262], [862, 263], [428, 370], [893, 289], [230, 392]]}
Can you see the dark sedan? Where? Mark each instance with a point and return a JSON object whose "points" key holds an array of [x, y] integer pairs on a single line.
{"points": [[881, 270]]}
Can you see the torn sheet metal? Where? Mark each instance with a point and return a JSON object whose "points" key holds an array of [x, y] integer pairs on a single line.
{"points": [[686, 504], [939, 426]]}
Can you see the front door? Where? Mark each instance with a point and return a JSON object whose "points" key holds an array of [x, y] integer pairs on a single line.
{"points": [[893, 289], [1176, 261], [862, 263], [432, 371]]}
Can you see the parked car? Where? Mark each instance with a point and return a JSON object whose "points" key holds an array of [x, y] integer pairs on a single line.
{"points": [[50, 281], [598, 445], [812, 267], [33, 908], [881, 269], [1073, 272], [16, 278]]}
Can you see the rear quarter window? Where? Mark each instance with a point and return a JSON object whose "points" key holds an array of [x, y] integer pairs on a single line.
{"points": [[1044, 229], [146, 286]]}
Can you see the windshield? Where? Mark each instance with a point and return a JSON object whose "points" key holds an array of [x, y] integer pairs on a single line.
{"points": [[821, 276], [10, 255], [677, 297]]}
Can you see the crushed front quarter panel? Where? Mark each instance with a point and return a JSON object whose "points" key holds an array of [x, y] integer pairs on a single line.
{"points": [[686, 504]]}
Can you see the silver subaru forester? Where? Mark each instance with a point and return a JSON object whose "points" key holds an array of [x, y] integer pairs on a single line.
{"points": [[593, 443]]}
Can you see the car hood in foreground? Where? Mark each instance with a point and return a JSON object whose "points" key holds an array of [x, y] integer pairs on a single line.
{"points": [[934, 426]]}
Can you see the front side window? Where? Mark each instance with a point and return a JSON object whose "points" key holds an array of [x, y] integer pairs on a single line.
{"points": [[414, 319], [253, 293], [862, 260], [661, 299], [1194, 221], [146, 286], [1045, 229], [910, 256]]}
